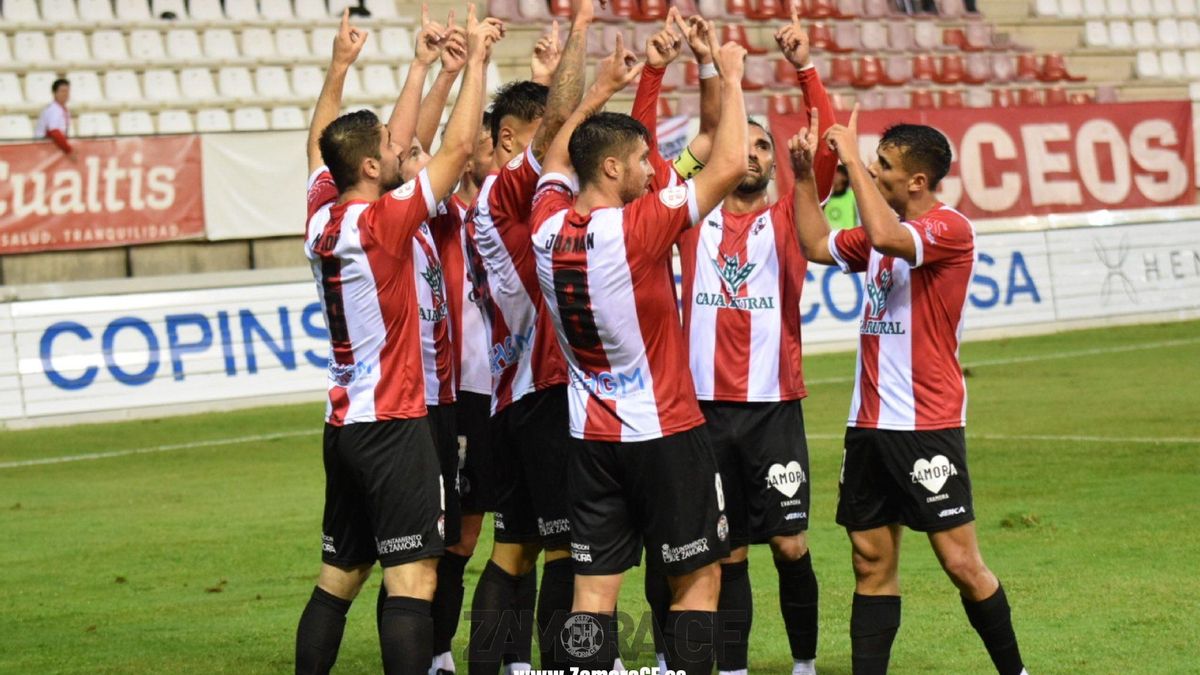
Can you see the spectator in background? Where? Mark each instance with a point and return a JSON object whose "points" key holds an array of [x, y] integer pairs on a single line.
{"points": [[840, 209], [55, 120]]}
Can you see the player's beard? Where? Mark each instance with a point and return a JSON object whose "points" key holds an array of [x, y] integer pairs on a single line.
{"points": [[753, 184]]}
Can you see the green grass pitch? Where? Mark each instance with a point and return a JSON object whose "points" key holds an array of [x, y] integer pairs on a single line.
{"points": [[1084, 449]]}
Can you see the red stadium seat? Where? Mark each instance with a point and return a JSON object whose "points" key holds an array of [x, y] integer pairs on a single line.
{"points": [[1080, 98], [560, 8], [782, 104], [785, 73], [870, 73], [764, 10], [842, 73], [1003, 98], [951, 71], [618, 11], [922, 99], [820, 36], [664, 109], [737, 33], [1056, 96], [1054, 69], [687, 7], [954, 38], [1027, 67], [691, 74], [650, 10], [923, 68], [735, 7], [898, 72], [978, 69], [951, 98], [822, 9], [1029, 96]]}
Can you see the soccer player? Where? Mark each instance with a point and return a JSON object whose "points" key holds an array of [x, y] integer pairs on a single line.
{"points": [[743, 273], [383, 494], [644, 473], [905, 458], [529, 399]]}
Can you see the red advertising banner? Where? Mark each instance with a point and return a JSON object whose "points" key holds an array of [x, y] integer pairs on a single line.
{"points": [[1030, 161], [110, 193]]}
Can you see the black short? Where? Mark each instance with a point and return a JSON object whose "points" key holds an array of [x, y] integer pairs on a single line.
{"points": [[475, 479], [443, 426], [763, 458], [918, 478], [664, 494], [383, 494], [530, 442]]}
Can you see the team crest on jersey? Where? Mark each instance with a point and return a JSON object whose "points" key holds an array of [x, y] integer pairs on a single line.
{"points": [[733, 273], [759, 224], [515, 162], [673, 197], [433, 276], [878, 290], [405, 191]]}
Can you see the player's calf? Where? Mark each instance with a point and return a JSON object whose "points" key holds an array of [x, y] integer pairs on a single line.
{"points": [[798, 599]]}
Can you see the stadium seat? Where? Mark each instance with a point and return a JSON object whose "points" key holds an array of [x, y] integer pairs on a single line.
{"points": [[1027, 67], [1147, 64], [869, 100], [847, 37], [121, 85], [874, 36], [135, 123], [212, 120], [146, 45], [307, 81], [380, 80], [92, 124], [219, 44], [977, 69], [31, 47], [877, 9], [37, 86], [272, 82], [15, 128], [58, 11], [822, 9], [321, 41], [1120, 35], [175, 122], [1095, 9], [70, 45], [289, 117], [196, 84], [1118, 8], [978, 97], [1056, 96], [1170, 64], [923, 68], [276, 10], [161, 85], [308, 9], [978, 37], [1070, 9], [1047, 8], [1141, 8], [1168, 33], [896, 99], [109, 45], [494, 80], [250, 119], [898, 71], [1029, 96], [1054, 69], [536, 11], [1189, 33], [381, 9], [1163, 8], [1185, 8], [10, 90], [1004, 68], [21, 11], [133, 10], [183, 44], [926, 36], [953, 38], [160, 7], [85, 86], [820, 36], [870, 73], [922, 99], [1003, 98], [234, 82], [951, 70], [206, 10], [846, 9], [96, 11], [5, 50], [841, 72], [1095, 34], [951, 98], [258, 43], [950, 9], [292, 43], [1191, 64], [737, 33], [241, 10], [1144, 35]]}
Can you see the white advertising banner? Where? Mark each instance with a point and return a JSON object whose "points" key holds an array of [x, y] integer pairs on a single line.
{"points": [[240, 344]]}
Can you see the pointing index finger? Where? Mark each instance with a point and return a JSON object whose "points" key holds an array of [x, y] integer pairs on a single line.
{"points": [[853, 124]]}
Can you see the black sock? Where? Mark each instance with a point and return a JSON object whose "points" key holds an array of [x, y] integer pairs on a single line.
{"points": [[874, 620], [553, 606], [992, 619], [447, 600], [798, 604], [658, 596], [491, 619], [320, 632], [735, 612], [590, 644], [689, 640], [406, 635], [383, 595], [521, 620]]}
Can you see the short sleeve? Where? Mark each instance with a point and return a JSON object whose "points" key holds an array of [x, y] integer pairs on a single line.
{"points": [[321, 190], [555, 193], [655, 220], [851, 249], [55, 118], [394, 217], [512, 195], [941, 236]]}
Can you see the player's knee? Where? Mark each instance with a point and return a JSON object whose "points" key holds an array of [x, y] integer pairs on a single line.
{"points": [[737, 555], [343, 582], [516, 559], [966, 569], [789, 547], [870, 566], [696, 590], [415, 580]]}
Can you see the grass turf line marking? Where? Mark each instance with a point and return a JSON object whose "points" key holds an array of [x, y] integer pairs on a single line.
{"points": [[1053, 438], [1053, 356], [171, 447]]}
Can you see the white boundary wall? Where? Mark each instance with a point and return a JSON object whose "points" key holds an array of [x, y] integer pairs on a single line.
{"points": [[152, 347]]}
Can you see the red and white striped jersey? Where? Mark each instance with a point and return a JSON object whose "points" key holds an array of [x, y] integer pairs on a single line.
{"points": [[467, 334], [362, 260], [908, 376], [522, 354], [742, 278], [609, 288], [437, 353]]}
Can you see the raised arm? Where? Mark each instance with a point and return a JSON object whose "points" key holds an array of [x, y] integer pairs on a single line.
{"points": [[430, 40], [462, 131], [793, 42], [727, 163], [811, 227], [566, 89], [454, 57], [700, 34], [881, 223], [346, 46], [613, 74], [547, 52], [662, 48]]}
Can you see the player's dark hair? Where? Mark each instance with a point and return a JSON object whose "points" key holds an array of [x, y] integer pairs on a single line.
{"points": [[753, 122], [602, 135], [841, 168], [60, 82], [487, 125], [524, 100], [923, 149], [346, 142]]}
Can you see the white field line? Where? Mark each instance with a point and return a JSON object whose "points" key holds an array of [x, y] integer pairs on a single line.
{"points": [[171, 447], [1052, 356], [1123, 440]]}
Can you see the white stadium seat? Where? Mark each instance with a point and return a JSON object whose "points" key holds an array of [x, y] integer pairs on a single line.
{"points": [[59, 11], [1095, 9], [5, 50], [96, 11], [1095, 34], [135, 123], [494, 80], [311, 9], [219, 44], [1185, 8], [380, 80], [109, 45], [93, 124], [250, 119], [1163, 8], [1118, 8], [272, 81], [385, 111], [122, 85], [31, 47], [397, 42], [176, 7], [70, 45], [196, 84], [133, 10], [292, 42], [1070, 9], [1191, 64], [161, 85], [307, 81], [10, 90], [1147, 64], [85, 87], [1168, 33], [383, 9], [1144, 35], [1170, 63], [258, 43], [353, 85], [276, 10], [1140, 8], [37, 87], [288, 117], [21, 11], [15, 127], [146, 45], [1120, 35], [213, 120], [336, 6], [1189, 33], [206, 10], [175, 122], [321, 41], [241, 10], [235, 82], [183, 44]]}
